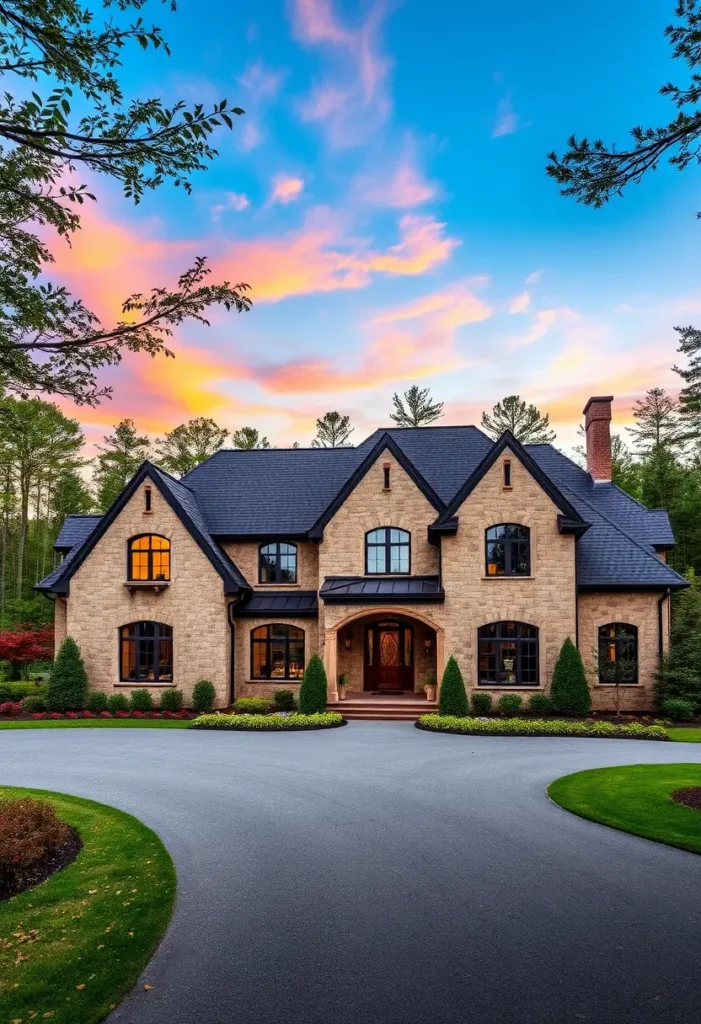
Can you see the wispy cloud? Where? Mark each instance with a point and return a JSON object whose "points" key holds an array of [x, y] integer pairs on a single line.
{"points": [[286, 189], [237, 201], [262, 82], [507, 119], [251, 136], [519, 303], [543, 322], [403, 189]]}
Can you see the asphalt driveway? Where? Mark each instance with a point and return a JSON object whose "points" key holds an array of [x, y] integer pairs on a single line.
{"points": [[381, 874]]}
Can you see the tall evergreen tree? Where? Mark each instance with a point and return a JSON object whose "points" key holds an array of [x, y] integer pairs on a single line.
{"points": [[690, 394], [119, 458], [247, 438], [332, 431], [188, 444], [415, 408], [71, 497], [526, 422], [656, 423]]}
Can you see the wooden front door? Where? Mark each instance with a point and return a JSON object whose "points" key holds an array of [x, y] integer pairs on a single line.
{"points": [[389, 656]]}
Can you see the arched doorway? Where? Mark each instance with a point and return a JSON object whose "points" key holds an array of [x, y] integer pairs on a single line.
{"points": [[389, 656]]}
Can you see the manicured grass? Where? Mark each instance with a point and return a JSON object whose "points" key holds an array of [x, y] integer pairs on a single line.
{"points": [[635, 799], [71, 947], [685, 735], [99, 723]]}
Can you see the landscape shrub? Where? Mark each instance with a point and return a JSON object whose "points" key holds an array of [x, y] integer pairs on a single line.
{"points": [[96, 702], [140, 700], [11, 707], [510, 704], [481, 703], [253, 705], [117, 702], [19, 690], [569, 692], [284, 700], [540, 727], [203, 696], [33, 703], [171, 700], [313, 691], [324, 720], [539, 704], [29, 831], [68, 682], [679, 673], [678, 709], [5, 693], [452, 699]]}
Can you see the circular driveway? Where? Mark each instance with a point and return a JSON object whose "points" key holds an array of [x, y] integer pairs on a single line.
{"points": [[382, 875]]}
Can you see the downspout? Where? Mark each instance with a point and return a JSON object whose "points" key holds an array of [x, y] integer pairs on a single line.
{"points": [[232, 645], [576, 593], [660, 626]]}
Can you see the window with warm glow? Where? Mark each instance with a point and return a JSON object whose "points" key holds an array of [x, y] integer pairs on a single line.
{"points": [[277, 652], [149, 558], [146, 652], [618, 653], [508, 550]]}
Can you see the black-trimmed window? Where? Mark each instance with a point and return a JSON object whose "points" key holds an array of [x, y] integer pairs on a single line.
{"points": [[387, 550], [149, 558], [508, 654], [618, 653], [277, 563], [277, 652], [146, 653], [508, 550]]}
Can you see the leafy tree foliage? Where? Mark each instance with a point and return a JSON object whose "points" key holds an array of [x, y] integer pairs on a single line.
{"points": [[249, 437], [55, 57], [452, 699], [569, 692], [313, 691], [119, 458], [332, 431], [415, 408], [526, 422], [188, 444], [68, 682], [680, 672], [23, 645], [71, 497]]}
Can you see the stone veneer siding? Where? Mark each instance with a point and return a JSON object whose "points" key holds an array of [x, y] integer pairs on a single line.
{"points": [[193, 604], [244, 686], [244, 554]]}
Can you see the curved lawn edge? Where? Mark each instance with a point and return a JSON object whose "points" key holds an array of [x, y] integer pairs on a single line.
{"points": [[635, 799], [539, 727], [268, 723], [97, 921], [100, 723]]}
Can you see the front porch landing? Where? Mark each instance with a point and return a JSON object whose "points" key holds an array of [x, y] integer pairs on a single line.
{"points": [[365, 706]]}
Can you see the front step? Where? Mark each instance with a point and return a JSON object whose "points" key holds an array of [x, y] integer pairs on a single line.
{"points": [[384, 711]]}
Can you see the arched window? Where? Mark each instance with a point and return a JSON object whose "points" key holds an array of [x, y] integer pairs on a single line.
{"points": [[277, 563], [146, 652], [149, 558], [618, 653], [387, 550], [277, 652], [508, 550], [508, 654]]}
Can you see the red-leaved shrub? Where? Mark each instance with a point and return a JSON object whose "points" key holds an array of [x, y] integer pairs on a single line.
{"points": [[29, 831], [11, 707], [88, 714], [55, 714], [105, 714], [71, 714], [138, 714]]}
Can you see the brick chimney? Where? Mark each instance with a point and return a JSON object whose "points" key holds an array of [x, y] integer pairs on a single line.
{"points": [[597, 420]]}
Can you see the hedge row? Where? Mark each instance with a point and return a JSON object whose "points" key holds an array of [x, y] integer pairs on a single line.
{"points": [[539, 727], [325, 720]]}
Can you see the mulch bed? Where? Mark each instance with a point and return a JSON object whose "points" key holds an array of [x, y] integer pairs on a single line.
{"points": [[59, 858], [688, 797]]}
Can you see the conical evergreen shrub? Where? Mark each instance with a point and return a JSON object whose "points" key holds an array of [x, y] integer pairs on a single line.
{"points": [[453, 699], [68, 682], [569, 692], [313, 692]]}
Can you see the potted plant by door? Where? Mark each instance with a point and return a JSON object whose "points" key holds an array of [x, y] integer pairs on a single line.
{"points": [[429, 686], [342, 683]]}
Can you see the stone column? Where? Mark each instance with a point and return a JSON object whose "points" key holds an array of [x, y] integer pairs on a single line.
{"points": [[331, 664], [440, 657]]}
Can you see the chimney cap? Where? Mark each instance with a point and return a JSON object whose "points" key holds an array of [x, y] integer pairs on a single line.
{"points": [[596, 399]]}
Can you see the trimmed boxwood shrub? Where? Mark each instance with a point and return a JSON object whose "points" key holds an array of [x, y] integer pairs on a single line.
{"points": [[253, 705], [540, 727], [284, 700], [33, 704], [140, 700], [277, 722], [68, 682], [678, 709], [96, 702], [539, 704], [569, 692], [481, 703], [117, 702], [313, 693], [452, 699], [203, 696], [171, 700], [510, 704]]}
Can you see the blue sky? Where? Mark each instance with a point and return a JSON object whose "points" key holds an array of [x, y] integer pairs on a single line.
{"points": [[385, 196]]}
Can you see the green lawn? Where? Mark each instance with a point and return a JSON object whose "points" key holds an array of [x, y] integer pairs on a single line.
{"points": [[99, 723], [685, 735], [71, 947], [635, 799]]}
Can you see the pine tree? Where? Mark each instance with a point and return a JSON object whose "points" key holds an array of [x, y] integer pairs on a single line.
{"points": [[68, 682], [188, 444], [332, 431], [452, 699], [526, 422], [248, 438], [419, 410], [569, 692], [679, 675], [313, 691], [70, 497], [657, 423], [119, 458]]}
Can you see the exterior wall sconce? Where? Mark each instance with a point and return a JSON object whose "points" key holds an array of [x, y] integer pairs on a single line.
{"points": [[428, 643], [348, 641]]}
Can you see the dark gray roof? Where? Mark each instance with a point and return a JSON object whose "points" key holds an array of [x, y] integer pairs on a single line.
{"points": [[342, 589], [301, 602], [75, 530]]}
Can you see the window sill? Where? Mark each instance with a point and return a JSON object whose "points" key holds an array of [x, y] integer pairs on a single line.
{"points": [[271, 682], [502, 578], [623, 686], [277, 586], [141, 682], [157, 585]]}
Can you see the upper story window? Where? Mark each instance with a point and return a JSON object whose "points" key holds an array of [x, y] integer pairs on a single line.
{"points": [[508, 654], [277, 652], [146, 652], [277, 563], [387, 550], [149, 558], [618, 653], [508, 550]]}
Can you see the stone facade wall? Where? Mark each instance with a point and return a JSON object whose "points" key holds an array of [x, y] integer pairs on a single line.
{"points": [[60, 615], [640, 609], [247, 687], [193, 604], [245, 555]]}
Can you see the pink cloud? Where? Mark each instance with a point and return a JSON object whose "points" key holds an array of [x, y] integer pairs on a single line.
{"points": [[237, 201], [404, 189], [251, 137], [519, 303], [286, 189], [260, 81]]}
